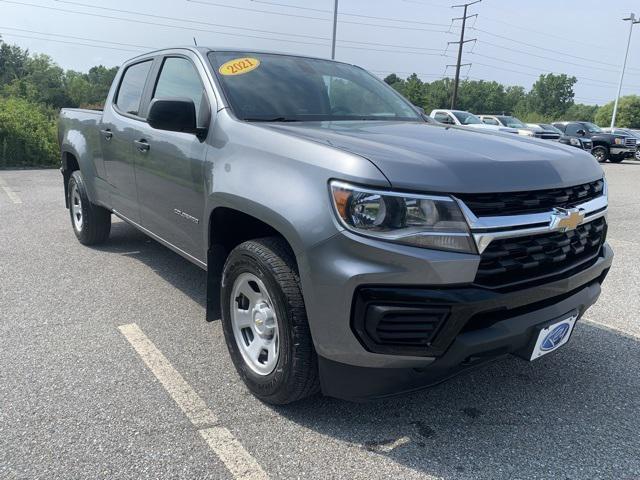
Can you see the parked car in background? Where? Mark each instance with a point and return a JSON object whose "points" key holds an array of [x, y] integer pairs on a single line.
{"points": [[606, 146], [523, 129], [629, 133], [582, 143], [466, 119]]}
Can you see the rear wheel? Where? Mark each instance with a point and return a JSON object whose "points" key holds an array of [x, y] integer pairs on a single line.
{"points": [[90, 223], [265, 323], [601, 153], [637, 155]]}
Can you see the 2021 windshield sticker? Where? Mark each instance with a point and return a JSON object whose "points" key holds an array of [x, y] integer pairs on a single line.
{"points": [[239, 66]]}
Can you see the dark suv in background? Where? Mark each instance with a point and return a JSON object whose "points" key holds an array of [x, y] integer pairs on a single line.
{"points": [[606, 146]]}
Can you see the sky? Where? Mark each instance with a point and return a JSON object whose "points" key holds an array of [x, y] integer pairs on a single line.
{"points": [[516, 40]]}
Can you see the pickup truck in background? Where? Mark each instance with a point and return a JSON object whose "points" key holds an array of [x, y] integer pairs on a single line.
{"points": [[351, 246], [582, 143], [606, 146], [627, 132], [466, 119]]}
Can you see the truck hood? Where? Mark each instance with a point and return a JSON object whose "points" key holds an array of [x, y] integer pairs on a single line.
{"points": [[437, 158]]}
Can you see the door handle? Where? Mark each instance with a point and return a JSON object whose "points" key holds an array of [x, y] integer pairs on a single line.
{"points": [[142, 145], [108, 135]]}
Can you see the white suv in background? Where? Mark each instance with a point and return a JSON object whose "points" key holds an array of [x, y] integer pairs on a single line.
{"points": [[466, 119], [512, 122]]}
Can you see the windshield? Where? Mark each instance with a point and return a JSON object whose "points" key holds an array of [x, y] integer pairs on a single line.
{"points": [[271, 87], [467, 118], [551, 128], [512, 122], [592, 128]]}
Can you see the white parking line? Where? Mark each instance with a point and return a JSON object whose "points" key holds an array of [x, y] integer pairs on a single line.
{"points": [[228, 449], [604, 326], [13, 196]]}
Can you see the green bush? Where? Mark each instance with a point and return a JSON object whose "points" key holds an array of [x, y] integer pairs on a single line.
{"points": [[28, 136], [628, 113]]}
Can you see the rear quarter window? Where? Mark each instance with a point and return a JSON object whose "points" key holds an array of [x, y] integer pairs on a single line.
{"points": [[132, 86]]}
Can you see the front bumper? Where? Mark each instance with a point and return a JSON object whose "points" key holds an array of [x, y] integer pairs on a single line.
{"points": [[627, 152], [485, 325]]}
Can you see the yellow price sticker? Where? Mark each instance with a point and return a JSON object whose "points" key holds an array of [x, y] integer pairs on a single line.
{"points": [[239, 66]]}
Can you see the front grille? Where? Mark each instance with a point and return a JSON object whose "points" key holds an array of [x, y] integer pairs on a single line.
{"points": [[514, 261], [549, 136], [514, 203], [630, 142]]}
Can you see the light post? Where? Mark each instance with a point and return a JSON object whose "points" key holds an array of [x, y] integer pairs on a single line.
{"points": [[632, 21], [335, 28]]}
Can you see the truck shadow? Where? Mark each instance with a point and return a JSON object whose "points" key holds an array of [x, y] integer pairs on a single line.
{"points": [[182, 274], [573, 414]]}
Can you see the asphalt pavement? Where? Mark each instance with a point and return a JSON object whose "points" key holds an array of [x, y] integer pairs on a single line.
{"points": [[108, 370]]}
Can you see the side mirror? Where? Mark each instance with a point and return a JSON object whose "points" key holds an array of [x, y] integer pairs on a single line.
{"points": [[173, 115], [581, 133]]}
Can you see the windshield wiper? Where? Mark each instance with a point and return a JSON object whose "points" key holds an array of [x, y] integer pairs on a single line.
{"points": [[274, 119]]}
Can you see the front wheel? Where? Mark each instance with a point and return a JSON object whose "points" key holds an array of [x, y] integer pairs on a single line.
{"points": [[637, 155], [601, 153], [91, 223], [265, 322]]}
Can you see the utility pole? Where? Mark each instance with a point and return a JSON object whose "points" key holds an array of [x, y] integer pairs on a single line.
{"points": [[632, 21], [335, 28], [461, 43]]}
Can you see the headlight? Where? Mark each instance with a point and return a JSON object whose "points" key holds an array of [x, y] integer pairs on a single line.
{"points": [[527, 133], [426, 221], [618, 141], [575, 142]]}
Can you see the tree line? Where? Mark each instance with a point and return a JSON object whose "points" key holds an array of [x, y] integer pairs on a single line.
{"points": [[33, 88]]}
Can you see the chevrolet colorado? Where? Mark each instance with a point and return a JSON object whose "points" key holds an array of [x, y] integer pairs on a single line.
{"points": [[351, 246]]}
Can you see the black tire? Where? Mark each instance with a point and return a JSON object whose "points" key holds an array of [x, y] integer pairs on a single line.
{"points": [[637, 154], [94, 225], [295, 375], [601, 153]]}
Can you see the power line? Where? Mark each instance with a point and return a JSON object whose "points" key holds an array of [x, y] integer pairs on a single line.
{"points": [[537, 47], [144, 22], [186, 20], [257, 10], [78, 38], [396, 27], [546, 34], [533, 68], [69, 43], [345, 14]]}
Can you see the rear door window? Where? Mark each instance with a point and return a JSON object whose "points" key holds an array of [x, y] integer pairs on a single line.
{"points": [[131, 87]]}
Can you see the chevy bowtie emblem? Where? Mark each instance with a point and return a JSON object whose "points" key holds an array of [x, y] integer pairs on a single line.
{"points": [[565, 219]]}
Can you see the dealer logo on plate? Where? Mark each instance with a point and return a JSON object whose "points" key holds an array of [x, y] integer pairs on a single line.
{"points": [[555, 337]]}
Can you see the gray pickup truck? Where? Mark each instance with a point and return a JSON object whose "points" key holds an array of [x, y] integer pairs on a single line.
{"points": [[351, 245]]}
